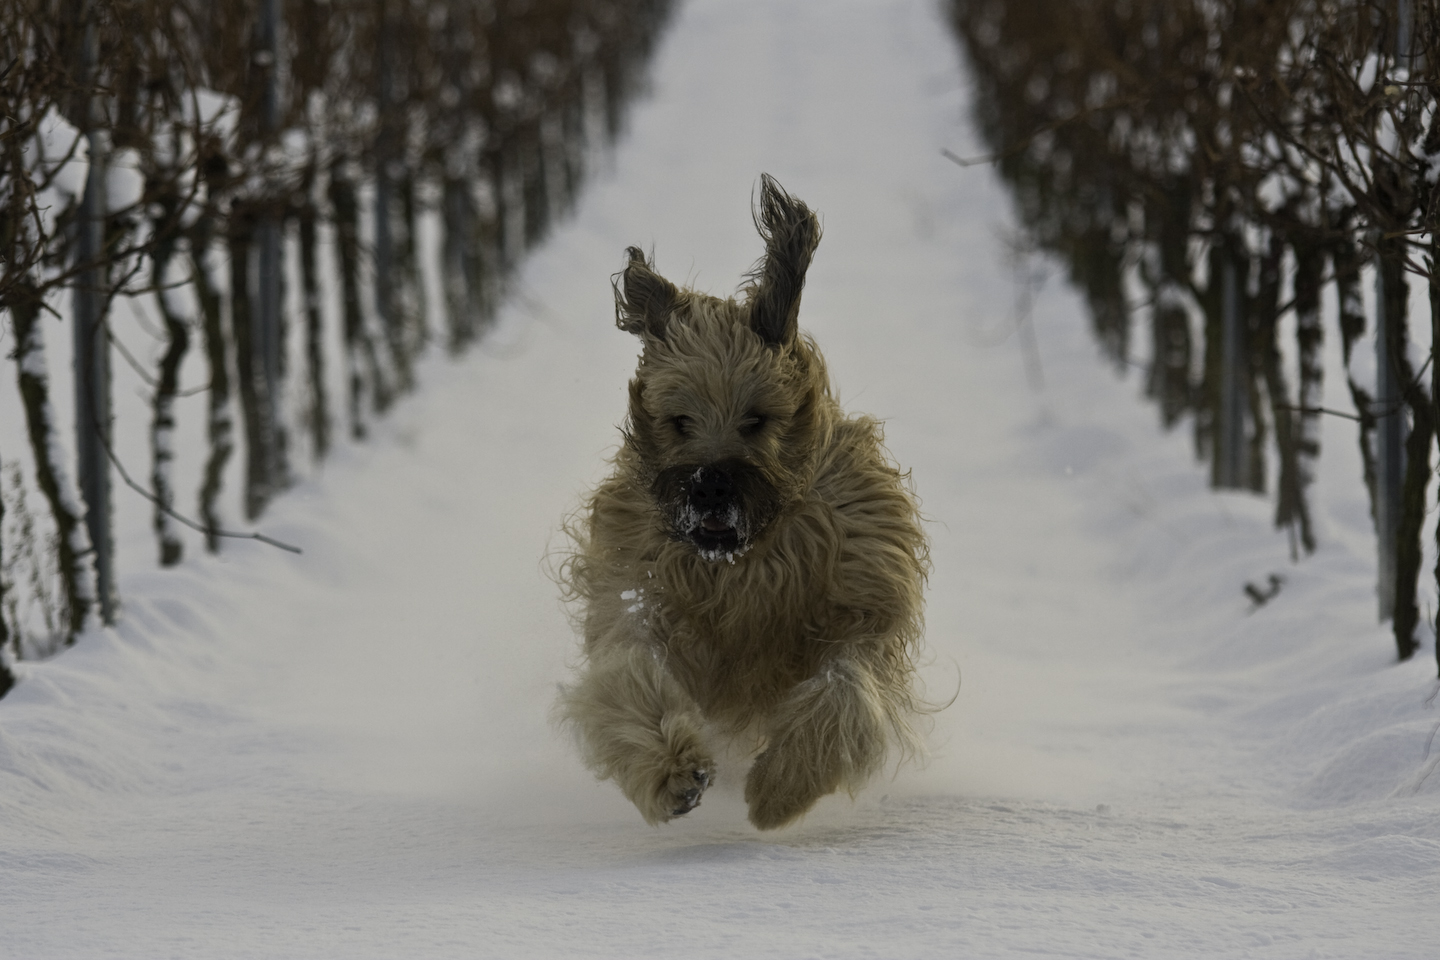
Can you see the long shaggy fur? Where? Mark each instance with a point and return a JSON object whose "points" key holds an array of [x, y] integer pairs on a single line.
{"points": [[754, 564]]}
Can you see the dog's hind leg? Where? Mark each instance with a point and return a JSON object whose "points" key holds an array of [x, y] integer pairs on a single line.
{"points": [[637, 726], [829, 732]]}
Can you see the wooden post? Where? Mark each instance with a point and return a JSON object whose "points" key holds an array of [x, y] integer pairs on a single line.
{"points": [[389, 146], [7, 679], [269, 235], [1230, 421], [1435, 383], [307, 216], [92, 346], [1389, 445]]}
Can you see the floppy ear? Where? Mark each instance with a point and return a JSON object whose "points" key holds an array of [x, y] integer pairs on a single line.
{"points": [[644, 300], [791, 232]]}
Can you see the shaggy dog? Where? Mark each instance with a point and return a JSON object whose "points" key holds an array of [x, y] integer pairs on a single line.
{"points": [[754, 566]]}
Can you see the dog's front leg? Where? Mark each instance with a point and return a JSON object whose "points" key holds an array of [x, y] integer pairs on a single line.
{"points": [[827, 733], [637, 726]]}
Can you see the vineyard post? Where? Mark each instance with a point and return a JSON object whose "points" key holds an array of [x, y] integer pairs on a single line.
{"points": [[92, 346], [1230, 428], [1389, 448], [270, 240]]}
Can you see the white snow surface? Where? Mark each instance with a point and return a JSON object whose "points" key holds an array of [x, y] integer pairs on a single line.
{"points": [[350, 753]]}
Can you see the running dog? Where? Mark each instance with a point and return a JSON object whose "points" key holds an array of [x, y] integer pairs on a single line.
{"points": [[754, 567]]}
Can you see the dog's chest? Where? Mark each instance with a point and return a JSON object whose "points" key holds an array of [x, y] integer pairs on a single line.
{"points": [[739, 646]]}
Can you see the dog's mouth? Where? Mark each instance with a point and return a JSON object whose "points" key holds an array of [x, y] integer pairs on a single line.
{"points": [[716, 536], [718, 509], [715, 526]]}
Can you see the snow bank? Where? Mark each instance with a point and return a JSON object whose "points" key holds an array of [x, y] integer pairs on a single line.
{"points": [[349, 753]]}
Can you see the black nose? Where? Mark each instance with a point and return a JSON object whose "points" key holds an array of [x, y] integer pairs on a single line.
{"points": [[711, 489]]}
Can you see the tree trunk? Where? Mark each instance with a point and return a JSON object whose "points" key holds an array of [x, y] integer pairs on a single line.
{"points": [[1097, 268], [407, 249], [1351, 307], [388, 148], [1169, 382], [162, 425], [269, 335], [314, 320], [535, 193], [360, 353], [1409, 508], [485, 264], [220, 420], [572, 150], [1168, 270], [460, 227], [1309, 341], [500, 163], [1412, 519], [392, 319], [1291, 510], [242, 322], [7, 679], [75, 554], [1253, 376]]}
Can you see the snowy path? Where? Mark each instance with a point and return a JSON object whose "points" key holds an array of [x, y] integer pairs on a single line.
{"points": [[348, 754]]}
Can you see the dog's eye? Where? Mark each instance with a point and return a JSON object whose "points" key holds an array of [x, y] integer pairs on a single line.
{"points": [[753, 423], [681, 425]]}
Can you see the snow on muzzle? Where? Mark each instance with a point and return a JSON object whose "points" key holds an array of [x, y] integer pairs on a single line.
{"points": [[719, 507]]}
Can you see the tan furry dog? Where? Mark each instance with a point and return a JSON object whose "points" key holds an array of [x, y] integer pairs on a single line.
{"points": [[754, 566]]}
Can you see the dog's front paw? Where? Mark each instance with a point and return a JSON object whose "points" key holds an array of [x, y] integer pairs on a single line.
{"points": [[678, 790], [688, 791], [672, 787]]}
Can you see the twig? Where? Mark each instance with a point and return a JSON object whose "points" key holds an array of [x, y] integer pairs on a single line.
{"points": [[187, 521], [948, 154], [1376, 409], [140, 371], [169, 510], [1327, 410], [118, 344]]}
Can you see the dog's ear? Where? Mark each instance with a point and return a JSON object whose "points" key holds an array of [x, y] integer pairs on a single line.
{"points": [[644, 300], [791, 232]]}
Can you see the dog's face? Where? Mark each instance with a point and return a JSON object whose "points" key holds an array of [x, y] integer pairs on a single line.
{"points": [[723, 407]]}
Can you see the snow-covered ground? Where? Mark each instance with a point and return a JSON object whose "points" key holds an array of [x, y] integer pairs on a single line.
{"points": [[349, 753]]}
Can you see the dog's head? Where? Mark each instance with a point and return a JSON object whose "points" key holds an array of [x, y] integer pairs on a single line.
{"points": [[725, 408]]}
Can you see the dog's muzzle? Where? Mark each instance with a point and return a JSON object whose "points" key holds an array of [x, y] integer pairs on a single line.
{"points": [[714, 513], [718, 507]]}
